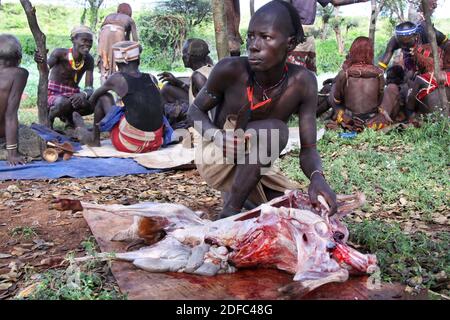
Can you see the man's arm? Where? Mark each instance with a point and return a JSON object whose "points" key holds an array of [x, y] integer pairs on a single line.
{"points": [[12, 117], [210, 96], [116, 82], [388, 53], [338, 102], [134, 33], [310, 161], [52, 59], [198, 82]]}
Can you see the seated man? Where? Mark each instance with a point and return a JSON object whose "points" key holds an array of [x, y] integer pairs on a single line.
{"points": [[16, 141], [424, 98], [259, 93], [358, 88], [408, 36], [138, 125], [67, 67], [115, 28], [195, 57]]}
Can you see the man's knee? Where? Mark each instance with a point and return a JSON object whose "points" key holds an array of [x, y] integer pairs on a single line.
{"points": [[62, 102]]}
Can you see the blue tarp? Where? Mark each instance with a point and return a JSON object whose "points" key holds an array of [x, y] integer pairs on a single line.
{"points": [[76, 167], [50, 135]]}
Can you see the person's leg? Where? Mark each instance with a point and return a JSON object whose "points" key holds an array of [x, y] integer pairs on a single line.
{"points": [[92, 138], [62, 109], [171, 94], [271, 140]]}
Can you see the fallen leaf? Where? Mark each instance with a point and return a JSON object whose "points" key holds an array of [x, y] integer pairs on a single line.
{"points": [[403, 201], [5, 286], [5, 255], [13, 189], [439, 218], [25, 293], [19, 251], [52, 261]]}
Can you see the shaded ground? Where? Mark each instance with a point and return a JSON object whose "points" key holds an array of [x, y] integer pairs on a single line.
{"points": [[35, 238]]}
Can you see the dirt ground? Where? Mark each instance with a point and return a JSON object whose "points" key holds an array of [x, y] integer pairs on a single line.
{"points": [[33, 236]]}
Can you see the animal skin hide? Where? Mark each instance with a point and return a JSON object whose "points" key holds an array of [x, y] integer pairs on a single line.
{"points": [[286, 233]]}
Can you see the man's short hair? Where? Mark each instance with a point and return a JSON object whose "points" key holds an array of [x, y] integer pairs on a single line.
{"points": [[406, 28], [197, 48], [10, 48]]}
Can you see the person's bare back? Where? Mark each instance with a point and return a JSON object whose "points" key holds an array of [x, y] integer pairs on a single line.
{"points": [[124, 21]]}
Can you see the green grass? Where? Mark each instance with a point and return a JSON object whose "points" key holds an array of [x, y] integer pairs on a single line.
{"points": [[89, 280], [24, 232], [74, 283], [412, 164], [405, 257]]}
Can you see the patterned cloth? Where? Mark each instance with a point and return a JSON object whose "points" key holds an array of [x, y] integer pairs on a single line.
{"points": [[127, 138], [432, 85], [56, 90], [304, 54]]}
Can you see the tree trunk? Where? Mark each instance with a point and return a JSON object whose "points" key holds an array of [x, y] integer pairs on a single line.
{"points": [[337, 31], [40, 40], [437, 68], [324, 32], [339, 39], [252, 7], [373, 19], [220, 28], [94, 6]]}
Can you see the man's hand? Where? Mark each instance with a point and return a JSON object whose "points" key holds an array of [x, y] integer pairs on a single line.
{"points": [[77, 100], [14, 158], [319, 186], [39, 58], [171, 79]]}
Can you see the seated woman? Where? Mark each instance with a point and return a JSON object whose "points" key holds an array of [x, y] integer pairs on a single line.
{"points": [[424, 98], [358, 90], [137, 127]]}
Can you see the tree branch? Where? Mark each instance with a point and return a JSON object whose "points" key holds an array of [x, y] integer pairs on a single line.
{"points": [[40, 39]]}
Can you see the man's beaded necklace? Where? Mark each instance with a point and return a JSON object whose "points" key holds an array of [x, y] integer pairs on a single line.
{"points": [[75, 65]]}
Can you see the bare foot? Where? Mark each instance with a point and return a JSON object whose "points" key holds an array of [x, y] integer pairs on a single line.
{"points": [[78, 120]]}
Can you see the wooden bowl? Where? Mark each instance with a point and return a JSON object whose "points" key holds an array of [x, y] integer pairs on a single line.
{"points": [[50, 155]]}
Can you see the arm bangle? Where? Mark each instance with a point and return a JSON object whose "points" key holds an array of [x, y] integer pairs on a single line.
{"points": [[316, 171], [382, 64], [11, 146]]}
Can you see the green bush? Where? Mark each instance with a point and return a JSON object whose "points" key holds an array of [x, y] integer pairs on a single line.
{"points": [[162, 36]]}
